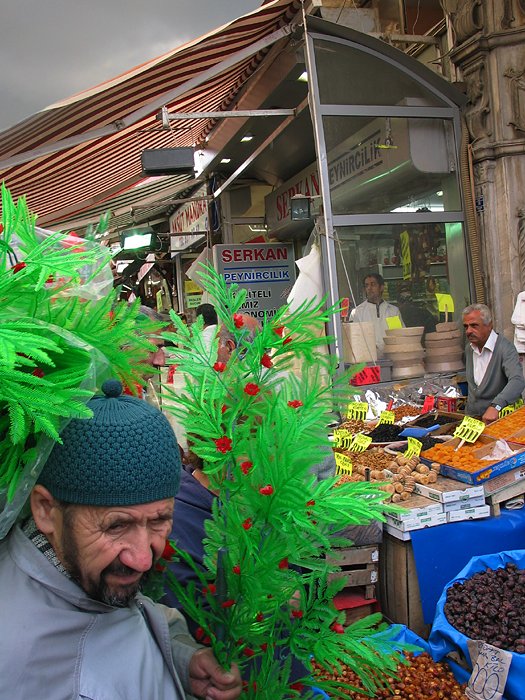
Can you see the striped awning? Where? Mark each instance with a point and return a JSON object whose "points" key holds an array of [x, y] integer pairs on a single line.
{"points": [[82, 155]]}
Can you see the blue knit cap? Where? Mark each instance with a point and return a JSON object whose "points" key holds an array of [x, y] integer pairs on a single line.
{"points": [[126, 454]]}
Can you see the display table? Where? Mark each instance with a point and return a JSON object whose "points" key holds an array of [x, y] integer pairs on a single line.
{"points": [[441, 552], [412, 574]]}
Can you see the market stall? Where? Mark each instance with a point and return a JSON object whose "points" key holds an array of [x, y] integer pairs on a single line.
{"points": [[461, 485]]}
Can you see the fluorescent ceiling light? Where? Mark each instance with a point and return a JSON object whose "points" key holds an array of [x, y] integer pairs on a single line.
{"points": [[225, 160], [246, 138], [303, 77]]}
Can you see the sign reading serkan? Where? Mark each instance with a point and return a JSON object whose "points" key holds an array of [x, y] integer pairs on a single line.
{"points": [[265, 270]]}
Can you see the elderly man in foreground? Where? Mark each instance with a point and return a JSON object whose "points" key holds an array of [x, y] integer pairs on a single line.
{"points": [[74, 624], [494, 374]]}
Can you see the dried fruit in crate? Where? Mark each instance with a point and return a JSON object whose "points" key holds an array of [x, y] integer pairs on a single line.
{"points": [[421, 679]]}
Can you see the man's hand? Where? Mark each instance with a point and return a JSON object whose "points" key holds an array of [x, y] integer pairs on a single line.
{"points": [[209, 681], [490, 415]]}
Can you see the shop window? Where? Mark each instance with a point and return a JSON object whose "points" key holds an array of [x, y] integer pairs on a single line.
{"points": [[348, 75], [421, 259], [384, 164]]}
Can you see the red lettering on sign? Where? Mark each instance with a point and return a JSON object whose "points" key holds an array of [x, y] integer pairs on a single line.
{"points": [[254, 254]]}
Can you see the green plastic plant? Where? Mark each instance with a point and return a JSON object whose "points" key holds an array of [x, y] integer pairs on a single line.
{"points": [[62, 332], [260, 426]]}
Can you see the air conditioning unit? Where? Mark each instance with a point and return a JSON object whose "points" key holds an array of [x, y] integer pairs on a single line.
{"points": [[167, 161]]}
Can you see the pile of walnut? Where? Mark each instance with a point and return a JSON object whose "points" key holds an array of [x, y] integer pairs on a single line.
{"points": [[401, 473]]}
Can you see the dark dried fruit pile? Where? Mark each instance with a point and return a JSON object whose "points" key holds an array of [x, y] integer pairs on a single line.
{"points": [[427, 443], [421, 679], [385, 432], [489, 606], [432, 420]]}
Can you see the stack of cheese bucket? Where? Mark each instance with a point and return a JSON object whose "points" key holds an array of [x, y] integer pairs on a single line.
{"points": [[403, 347], [444, 348]]}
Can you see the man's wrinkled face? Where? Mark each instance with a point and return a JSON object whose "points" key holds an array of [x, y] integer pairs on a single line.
{"points": [[476, 331], [110, 551], [373, 290]]}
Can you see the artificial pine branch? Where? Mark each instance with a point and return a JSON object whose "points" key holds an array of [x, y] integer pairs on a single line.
{"points": [[60, 337], [259, 430]]}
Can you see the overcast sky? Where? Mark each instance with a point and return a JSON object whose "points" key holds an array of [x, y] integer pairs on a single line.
{"points": [[52, 49]]}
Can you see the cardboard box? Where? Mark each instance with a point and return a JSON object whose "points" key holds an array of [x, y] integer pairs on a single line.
{"points": [[502, 481], [395, 532], [468, 514], [418, 507], [447, 490], [483, 473], [463, 505], [416, 523]]}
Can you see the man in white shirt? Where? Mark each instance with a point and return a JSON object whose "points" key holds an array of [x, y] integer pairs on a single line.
{"points": [[375, 309], [209, 316], [494, 374]]}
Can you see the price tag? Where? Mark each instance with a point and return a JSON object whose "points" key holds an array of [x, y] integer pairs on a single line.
{"points": [[490, 671], [368, 375], [357, 410], [414, 447], [469, 429], [445, 303], [360, 443], [343, 464], [510, 408], [342, 438], [428, 404], [393, 322], [387, 417]]}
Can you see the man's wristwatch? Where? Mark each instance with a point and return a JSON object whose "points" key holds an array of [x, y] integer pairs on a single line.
{"points": [[496, 406]]}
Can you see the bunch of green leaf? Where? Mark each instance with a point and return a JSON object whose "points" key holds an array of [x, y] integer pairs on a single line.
{"points": [[55, 346], [260, 430]]}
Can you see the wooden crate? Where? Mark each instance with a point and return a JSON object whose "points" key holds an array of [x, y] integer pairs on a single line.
{"points": [[359, 567], [355, 604], [511, 491], [399, 595]]}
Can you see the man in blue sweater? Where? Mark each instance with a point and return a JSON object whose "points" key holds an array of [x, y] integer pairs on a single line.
{"points": [[494, 374]]}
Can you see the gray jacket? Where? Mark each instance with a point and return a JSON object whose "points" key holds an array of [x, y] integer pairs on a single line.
{"points": [[57, 643], [503, 382]]}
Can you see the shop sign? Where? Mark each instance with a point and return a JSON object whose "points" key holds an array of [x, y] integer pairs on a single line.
{"points": [[367, 160], [178, 243], [277, 203], [192, 293], [265, 270], [191, 217], [189, 222]]}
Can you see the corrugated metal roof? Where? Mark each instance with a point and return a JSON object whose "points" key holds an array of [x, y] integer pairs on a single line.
{"points": [[82, 154]]}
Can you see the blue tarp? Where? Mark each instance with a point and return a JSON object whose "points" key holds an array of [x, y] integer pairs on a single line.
{"points": [[444, 638], [440, 552]]}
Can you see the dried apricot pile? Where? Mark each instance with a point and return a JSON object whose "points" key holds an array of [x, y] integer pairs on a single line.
{"points": [[464, 459], [504, 427]]}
